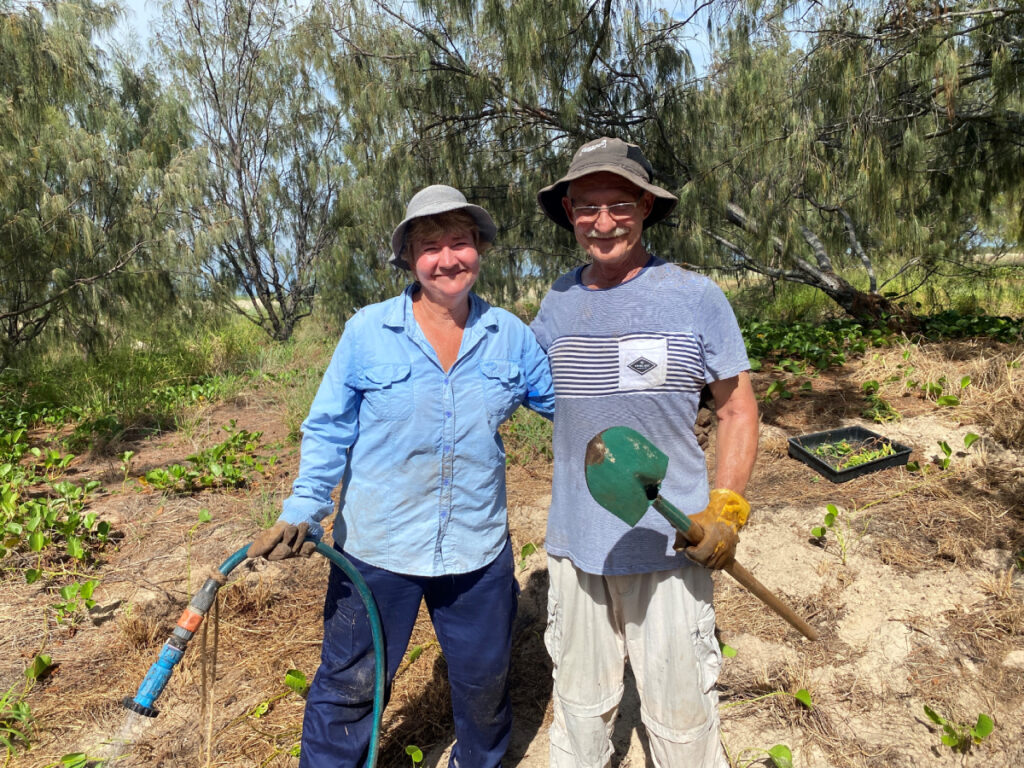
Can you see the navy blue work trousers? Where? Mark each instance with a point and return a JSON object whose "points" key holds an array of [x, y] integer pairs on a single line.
{"points": [[472, 615]]}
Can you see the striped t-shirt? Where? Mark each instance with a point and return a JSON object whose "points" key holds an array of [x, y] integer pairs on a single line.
{"points": [[634, 355]]}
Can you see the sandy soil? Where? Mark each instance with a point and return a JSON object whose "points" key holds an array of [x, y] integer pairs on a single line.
{"points": [[920, 604]]}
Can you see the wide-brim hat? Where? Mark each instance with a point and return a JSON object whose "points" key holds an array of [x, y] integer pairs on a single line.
{"points": [[614, 156], [430, 201]]}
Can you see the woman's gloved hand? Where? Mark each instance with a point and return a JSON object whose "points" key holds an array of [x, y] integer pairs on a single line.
{"points": [[282, 540], [721, 520]]}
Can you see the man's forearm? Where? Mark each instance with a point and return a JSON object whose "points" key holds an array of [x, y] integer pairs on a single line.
{"points": [[736, 408]]}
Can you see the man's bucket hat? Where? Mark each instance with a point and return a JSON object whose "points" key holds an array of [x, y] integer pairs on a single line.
{"points": [[615, 156], [430, 201]]}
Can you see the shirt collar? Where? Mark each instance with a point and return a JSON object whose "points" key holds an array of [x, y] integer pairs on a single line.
{"points": [[400, 315]]}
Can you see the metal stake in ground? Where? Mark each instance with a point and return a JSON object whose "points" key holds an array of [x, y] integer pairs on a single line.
{"points": [[624, 473]]}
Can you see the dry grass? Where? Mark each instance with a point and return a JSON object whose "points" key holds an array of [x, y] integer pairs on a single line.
{"points": [[994, 396]]}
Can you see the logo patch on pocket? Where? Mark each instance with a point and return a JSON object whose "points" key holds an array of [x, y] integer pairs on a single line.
{"points": [[643, 363]]}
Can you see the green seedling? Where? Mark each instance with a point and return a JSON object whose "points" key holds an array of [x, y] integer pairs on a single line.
{"points": [[728, 651], [779, 756], [415, 754], [803, 697], [842, 454], [296, 681], [947, 454], [40, 666], [528, 549], [78, 760], [958, 736], [839, 527], [126, 466]]}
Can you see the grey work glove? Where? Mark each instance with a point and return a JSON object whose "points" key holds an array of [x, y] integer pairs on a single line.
{"points": [[282, 540]]}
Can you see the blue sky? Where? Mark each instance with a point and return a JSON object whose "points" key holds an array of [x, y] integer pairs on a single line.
{"points": [[139, 14]]}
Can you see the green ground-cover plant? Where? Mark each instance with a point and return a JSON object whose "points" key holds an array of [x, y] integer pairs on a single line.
{"points": [[960, 737], [229, 464], [878, 410], [136, 385], [32, 523], [831, 342], [951, 324], [15, 721], [75, 600], [527, 438], [777, 389]]}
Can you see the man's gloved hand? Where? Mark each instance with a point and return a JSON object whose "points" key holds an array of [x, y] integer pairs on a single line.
{"points": [[282, 540], [721, 520]]}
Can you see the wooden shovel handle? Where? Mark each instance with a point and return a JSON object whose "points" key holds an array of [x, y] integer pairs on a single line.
{"points": [[761, 592], [694, 534]]}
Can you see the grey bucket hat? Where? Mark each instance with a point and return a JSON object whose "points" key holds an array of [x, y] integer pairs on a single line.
{"points": [[615, 156], [430, 201]]}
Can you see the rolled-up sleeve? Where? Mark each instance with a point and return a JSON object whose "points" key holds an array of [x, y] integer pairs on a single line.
{"points": [[540, 391]]}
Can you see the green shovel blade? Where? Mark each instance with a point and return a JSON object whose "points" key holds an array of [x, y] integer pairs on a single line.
{"points": [[624, 471]]}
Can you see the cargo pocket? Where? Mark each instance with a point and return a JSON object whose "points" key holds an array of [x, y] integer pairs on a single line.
{"points": [[709, 654], [503, 389], [387, 391]]}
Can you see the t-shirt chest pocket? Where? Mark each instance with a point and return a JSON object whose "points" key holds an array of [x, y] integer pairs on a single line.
{"points": [[643, 363], [503, 389], [387, 391]]}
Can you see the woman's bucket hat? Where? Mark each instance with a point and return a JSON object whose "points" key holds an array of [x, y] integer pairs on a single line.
{"points": [[430, 201]]}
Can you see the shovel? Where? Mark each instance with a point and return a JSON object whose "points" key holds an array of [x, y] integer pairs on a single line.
{"points": [[624, 473]]}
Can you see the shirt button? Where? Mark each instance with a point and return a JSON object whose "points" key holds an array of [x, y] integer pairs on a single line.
{"points": [[447, 414]]}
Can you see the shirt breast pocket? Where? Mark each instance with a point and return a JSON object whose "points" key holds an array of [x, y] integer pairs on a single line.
{"points": [[387, 391], [503, 389]]}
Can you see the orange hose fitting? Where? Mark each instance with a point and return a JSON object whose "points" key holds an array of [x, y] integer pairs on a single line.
{"points": [[190, 620]]}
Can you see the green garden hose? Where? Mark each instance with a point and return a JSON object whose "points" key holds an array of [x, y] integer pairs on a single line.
{"points": [[156, 679]]}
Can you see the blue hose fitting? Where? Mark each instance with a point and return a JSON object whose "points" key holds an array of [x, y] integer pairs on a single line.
{"points": [[155, 680], [174, 649]]}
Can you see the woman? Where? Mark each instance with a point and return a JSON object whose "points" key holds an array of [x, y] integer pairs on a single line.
{"points": [[407, 418]]}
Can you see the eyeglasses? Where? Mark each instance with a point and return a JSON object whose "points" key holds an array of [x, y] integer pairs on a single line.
{"points": [[618, 211]]}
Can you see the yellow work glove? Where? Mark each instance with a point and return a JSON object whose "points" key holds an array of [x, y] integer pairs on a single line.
{"points": [[721, 520], [282, 540]]}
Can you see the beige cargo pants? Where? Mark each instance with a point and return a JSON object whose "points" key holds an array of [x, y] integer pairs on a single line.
{"points": [[664, 623]]}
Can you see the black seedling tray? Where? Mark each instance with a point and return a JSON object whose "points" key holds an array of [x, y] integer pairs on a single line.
{"points": [[804, 448]]}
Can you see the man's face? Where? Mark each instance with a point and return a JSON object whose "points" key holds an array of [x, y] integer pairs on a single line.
{"points": [[607, 213]]}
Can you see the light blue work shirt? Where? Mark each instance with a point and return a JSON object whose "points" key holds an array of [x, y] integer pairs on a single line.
{"points": [[417, 448]]}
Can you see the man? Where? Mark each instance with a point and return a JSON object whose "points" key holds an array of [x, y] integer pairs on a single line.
{"points": [[632, 340]]}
